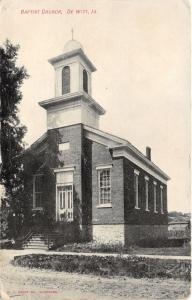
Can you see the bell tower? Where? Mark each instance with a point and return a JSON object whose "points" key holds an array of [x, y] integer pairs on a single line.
{"points": [[72, 72], [72, 103]]}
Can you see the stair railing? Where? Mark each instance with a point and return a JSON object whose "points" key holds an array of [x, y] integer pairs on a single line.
{"points": [[47, 239], [26, 238]]}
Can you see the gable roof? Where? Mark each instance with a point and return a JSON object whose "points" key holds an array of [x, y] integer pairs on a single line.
{"points": [[39, 142], [122, 147]]}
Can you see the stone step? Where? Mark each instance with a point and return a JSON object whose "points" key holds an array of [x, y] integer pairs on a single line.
{"points": [[35, 243], [37, 240], [35, 247], [40, 241]]}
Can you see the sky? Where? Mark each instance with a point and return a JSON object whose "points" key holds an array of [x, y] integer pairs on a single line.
{"points": [[141, 50]]}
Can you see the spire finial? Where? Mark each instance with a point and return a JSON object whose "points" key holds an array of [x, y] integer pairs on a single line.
{"points": [[72, 33]]}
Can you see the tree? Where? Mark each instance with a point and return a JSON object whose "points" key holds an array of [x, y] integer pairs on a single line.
{"points": [[12, 131]]}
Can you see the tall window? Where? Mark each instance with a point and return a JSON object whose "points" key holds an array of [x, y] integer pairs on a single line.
{"points": [[38, 191], [104, 177], [155, 196], [161, 198], [85, 81], [136, 187], [147, 193], [66, 80]]}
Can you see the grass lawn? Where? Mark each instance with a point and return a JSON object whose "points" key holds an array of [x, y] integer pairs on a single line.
{"points": [[37, 282]]}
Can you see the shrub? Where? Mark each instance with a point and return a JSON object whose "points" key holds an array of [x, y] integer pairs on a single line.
{"points": [[94, 247], [8, 244], [132, 266], [158, 243]]}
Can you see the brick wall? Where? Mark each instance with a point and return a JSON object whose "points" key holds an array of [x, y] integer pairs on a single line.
{"points": [[85, 156], [115, 214], [87, 182], [73, 135], [78, 155], [141, 216]]}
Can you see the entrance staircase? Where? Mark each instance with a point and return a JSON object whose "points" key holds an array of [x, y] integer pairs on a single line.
{"points": [[36, 241], [41, 240]]}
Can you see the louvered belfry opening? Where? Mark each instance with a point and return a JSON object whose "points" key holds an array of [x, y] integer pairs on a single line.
{"points": [[66, 80], [85, 81]]}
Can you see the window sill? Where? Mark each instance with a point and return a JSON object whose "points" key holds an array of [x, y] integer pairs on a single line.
{"points": [[104, 206]]}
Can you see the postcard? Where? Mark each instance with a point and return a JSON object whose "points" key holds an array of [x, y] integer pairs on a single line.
{"points": [[95, 148]]}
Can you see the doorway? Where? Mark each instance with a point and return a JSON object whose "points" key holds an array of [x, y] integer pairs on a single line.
{"points": [[65, 202]]}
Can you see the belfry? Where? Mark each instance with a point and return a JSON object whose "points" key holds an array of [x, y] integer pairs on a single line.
{"points": [[73, 103]]}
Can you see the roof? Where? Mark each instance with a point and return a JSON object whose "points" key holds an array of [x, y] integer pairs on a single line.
{"points": [[116, 144], [122, 147], [38, 142], [76, 52], [72, 45]]}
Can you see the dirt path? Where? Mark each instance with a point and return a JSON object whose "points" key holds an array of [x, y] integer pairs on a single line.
{"points": [[22, 283]]}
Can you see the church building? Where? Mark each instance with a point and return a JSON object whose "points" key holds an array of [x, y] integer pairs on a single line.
{"points": [[82, 175]]}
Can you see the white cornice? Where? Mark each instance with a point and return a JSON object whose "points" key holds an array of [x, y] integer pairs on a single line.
{"points": [[67, 105], [121, 147], [71, 97], [102, 137], [132, 151], [76, 52], [141, 164]]}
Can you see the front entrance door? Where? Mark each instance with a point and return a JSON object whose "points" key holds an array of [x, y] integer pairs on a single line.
{"points": [[65, 202]]}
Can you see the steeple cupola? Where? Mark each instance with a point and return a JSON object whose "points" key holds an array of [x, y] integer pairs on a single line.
{"points": [[72, 45], [73, 102], [73, 70]]}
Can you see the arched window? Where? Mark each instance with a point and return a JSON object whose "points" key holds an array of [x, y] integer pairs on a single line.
{"points": [[66, 80], [85, 81]]}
